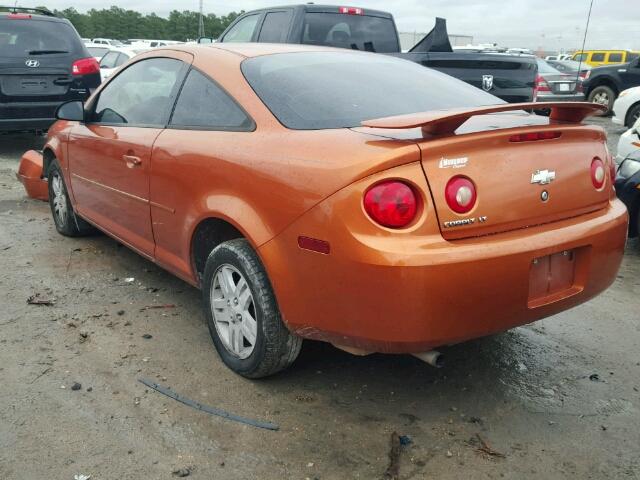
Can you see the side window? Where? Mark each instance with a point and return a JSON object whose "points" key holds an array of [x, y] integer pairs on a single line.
{"points": [[597, 57], [275, 27], [140, 94], [615, 57], [580, 57], [109, 60], [202, 103], [122, 58], [243, 30]]}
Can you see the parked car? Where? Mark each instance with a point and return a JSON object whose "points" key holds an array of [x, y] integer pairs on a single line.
{"points": [[43, 63], [97, 50], [628, 186], [603, 84], [552, 85], [626, 108], [107, 41], [562, 56], [509, 77], [570, 67], [117, 57], [597, 58], [352, 198], [629, 142]]}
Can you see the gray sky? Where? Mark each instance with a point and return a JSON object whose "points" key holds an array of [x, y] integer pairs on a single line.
{"points": [[550, 24]]}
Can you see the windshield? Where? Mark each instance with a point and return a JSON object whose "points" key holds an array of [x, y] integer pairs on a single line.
{"points": [[22, 38], [318, 90], [356, 32]]}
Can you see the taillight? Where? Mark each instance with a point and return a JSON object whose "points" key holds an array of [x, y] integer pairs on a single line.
{"points": [[598, 173], [392, 204], [85, 66], [460, 193], [533, 136], [542, 85], [351, 10]]}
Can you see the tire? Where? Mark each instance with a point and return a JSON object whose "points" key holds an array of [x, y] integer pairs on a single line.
{"points": [[632, 116], [243, 318], [603, 95], [64, 217]]}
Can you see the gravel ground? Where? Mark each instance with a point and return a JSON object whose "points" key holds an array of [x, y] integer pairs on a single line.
{"points": [[558, 398]]}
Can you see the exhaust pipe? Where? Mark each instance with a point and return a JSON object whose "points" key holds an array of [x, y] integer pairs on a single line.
{"points": [[432, 357]]}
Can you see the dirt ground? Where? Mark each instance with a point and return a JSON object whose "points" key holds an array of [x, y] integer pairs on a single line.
{"points": [[558, 398]]}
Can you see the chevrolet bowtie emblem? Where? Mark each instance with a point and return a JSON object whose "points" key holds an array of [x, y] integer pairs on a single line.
{"points": [[543, 177]]}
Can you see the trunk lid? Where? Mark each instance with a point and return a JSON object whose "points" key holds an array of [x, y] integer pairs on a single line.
{"points": [[509, 167], [561, 84], [51, 77], [510, 178]]}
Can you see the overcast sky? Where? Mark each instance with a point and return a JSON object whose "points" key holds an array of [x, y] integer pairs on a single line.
{"points": [[550, 24]]}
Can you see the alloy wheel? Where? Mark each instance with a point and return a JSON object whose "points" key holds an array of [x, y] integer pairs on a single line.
{"points": [[59, 199], [234, 312]]}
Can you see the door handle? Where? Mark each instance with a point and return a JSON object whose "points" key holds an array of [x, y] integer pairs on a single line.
{"points": [[132, 161]]}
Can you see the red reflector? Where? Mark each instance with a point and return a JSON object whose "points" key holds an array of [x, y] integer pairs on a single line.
{"points": [[314, 245], [85, 66], [598, 173], [460, 193], [392, 204], [19, 16], [351, 10], [533, 136]]}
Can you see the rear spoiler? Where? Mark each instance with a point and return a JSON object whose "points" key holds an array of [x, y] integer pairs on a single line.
{"points": [[439, 122]]}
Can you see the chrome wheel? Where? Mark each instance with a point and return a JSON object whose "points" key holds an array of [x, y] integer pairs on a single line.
{"points": [[59, 199], [233, 310], [601, 98]]}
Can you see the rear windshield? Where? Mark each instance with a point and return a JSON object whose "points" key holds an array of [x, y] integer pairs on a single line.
{"points": [[356, 32], [24, 38], [544, 67], [318, 90], [97, 51]]}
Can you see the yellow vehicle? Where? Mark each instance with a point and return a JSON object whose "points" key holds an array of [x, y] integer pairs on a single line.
{"points": [[596, 58]]}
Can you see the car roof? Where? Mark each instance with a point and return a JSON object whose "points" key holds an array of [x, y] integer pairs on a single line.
{"points": [[254, 49], [312, 7]]}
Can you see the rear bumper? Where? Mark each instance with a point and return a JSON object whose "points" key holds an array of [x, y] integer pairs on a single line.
{"points": [[569, 97], [370, 294], [25, 124]]}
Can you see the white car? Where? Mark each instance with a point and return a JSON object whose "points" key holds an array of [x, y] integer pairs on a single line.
{"points": [[626, 108], [107, 41], [97, 50], [629, 142], [116, 57]]}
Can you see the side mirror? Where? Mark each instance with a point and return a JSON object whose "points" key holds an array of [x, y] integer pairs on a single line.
{"points": [[206, 40], [73, 111]]}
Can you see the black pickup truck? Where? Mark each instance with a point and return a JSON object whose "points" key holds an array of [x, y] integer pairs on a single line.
{"points": [[509, 77], [603, 84]]}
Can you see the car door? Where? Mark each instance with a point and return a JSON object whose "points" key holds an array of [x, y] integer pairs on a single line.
{"points": [[110, 154], [630, 75]]}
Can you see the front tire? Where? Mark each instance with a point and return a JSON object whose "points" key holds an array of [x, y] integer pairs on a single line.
{"points": [[66, 221], [632, 116], [603, 95], [243, 315]]}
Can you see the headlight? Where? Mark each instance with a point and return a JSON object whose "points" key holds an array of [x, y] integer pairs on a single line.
{"points": [[628, 168]]}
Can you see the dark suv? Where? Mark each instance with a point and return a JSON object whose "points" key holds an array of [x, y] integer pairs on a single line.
{"points": [[43, 63]]}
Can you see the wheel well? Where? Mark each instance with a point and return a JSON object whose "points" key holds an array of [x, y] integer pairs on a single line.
{"points": [[208, 235], [626, 120], [606, 83], [47, 157]]}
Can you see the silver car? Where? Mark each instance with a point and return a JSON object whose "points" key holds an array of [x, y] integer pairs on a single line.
{"points": [[555, 86]]}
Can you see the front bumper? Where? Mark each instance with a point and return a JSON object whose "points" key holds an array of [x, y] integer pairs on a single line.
{"points": [[30, 175], [409, 294]]}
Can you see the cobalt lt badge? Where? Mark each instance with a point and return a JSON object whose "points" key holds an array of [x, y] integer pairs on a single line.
{"points": [[487, 82]]}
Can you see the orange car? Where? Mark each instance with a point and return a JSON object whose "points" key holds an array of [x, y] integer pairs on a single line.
{"points": [[341, 196]]}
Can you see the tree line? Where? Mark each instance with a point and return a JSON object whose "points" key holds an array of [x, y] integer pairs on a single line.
{"points": [[118, 23]]}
